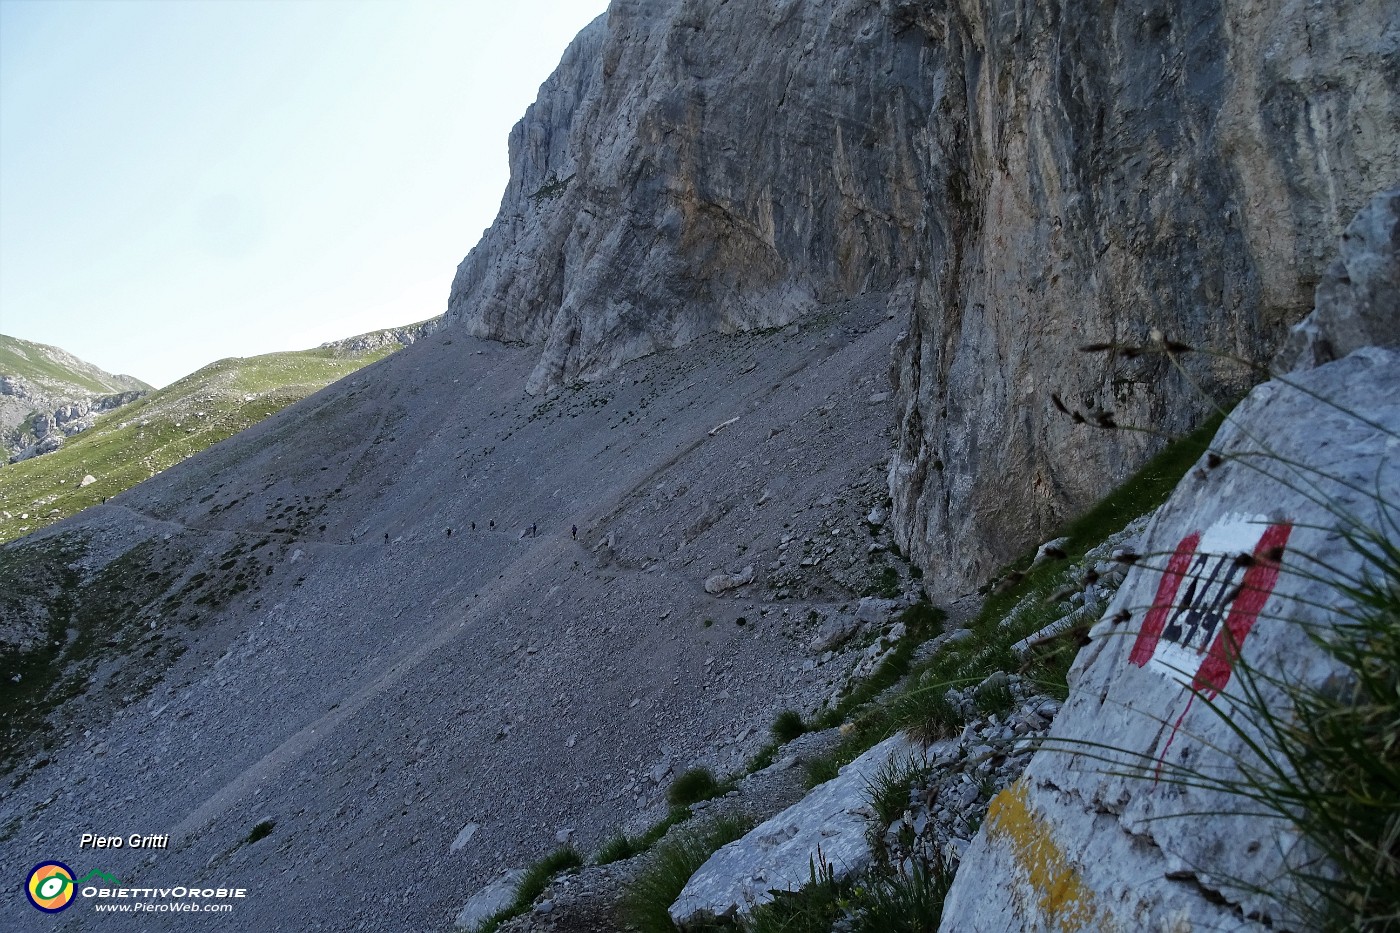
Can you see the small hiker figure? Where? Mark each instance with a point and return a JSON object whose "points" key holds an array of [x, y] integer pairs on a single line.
{"points": [[574, 529], [386, 537], [473, 526], [449, 532], [534, 531], [493, 523]]}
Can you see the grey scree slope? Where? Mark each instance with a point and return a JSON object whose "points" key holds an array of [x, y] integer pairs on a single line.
{"points": [[373, 699]]}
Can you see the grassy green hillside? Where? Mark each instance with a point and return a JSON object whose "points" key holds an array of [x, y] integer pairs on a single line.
{"points": [[138, 441], [52, 367]]}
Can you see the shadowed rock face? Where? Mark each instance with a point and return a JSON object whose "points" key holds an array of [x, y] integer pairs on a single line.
{"points": [[1018, 179], [1117, 169]]}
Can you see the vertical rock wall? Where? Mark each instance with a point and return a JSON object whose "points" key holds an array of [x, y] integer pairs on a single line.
{"points": [[1016, 177], [1126, 166]]}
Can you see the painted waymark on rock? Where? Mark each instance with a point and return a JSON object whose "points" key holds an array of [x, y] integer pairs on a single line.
{"points": [[1209, 598]]}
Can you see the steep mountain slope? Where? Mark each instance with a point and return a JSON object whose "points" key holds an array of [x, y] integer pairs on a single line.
{"points": [[167, 426], [305, 643], [46, 383], [1016, 179], [294, 652]]}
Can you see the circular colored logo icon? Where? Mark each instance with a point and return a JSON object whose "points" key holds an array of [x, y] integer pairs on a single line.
{"points": [[50, 886]]}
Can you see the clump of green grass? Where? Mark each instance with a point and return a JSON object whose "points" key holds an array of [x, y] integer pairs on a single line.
{"points": [[648, 899], [885, 584], [905, 903], [898, 904], [889, 789], [693, 786], [261, 831], [674, 816], [619, 848], [925, 712], [536, 879], [994, 697], [788, 725]]}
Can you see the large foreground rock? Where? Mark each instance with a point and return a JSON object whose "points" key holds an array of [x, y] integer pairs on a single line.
{"points": [[1075, 847], [826, 829]]}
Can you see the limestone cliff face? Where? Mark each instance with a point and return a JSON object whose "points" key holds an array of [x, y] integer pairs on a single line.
{"points": [[1122, 167], [697, 166], [1016, 178]]}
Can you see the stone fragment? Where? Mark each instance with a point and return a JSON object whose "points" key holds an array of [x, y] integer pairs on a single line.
{"points": [[464, 837], [489, 901], [724, 582]]}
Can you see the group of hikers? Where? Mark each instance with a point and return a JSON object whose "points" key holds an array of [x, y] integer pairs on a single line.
{"points": [[532, 532]]}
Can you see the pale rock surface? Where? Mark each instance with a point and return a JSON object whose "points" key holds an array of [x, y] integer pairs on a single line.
{"points": [[724, 582], [1358, 299], [828, 828], [490, 900]]}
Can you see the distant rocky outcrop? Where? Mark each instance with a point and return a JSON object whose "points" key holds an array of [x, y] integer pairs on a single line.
{"points": [[47, 394], [49, 429], [1015, 180], [394, 337]]}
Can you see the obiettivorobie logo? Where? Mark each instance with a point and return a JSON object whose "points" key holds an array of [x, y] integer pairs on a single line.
{"points": [[51, 886]]}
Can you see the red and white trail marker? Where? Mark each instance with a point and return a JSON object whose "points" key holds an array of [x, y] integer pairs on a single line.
{"points": [[1208, 600]]}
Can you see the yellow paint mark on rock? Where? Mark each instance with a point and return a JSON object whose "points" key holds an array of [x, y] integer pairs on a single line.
{"points": [[1064, 901]]}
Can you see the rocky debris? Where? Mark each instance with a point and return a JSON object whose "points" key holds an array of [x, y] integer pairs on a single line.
{"points": [[1075, 835], [828, 826], [960, 777], [837, 627], [490, 900], [44, 432], [724, 582], [1355, 303], [379, 339], [587, 899], [355, 695]]}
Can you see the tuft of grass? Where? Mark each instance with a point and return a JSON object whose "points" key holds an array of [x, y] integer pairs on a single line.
{"points": [[617, 849], [925, 712], [260, 831], [904, 904], [648, 899], [536, 879], [994, 698], [675, 816], [788, 725], [900, 904], [889, 789], [885, 584], [693, 786], [763, 758]]}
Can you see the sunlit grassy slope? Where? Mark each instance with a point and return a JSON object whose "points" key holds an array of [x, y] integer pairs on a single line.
{"points": [[138, 441]]}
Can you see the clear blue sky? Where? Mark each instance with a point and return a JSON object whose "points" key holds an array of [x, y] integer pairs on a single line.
{"points": [[185, 180]]}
